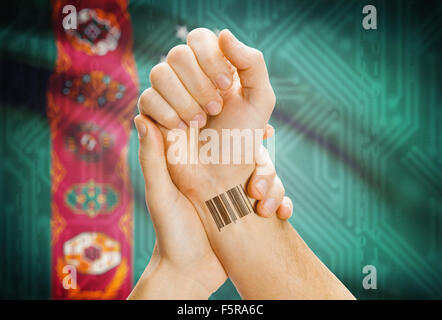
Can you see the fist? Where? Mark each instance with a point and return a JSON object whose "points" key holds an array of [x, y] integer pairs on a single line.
{"points": [[200, 78], [218, 83]]}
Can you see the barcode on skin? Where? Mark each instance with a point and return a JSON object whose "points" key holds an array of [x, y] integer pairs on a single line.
{"points": [[229, 206]]}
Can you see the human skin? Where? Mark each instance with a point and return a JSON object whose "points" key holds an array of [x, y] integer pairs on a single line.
{"points": [[265, 258], [183, 264]]}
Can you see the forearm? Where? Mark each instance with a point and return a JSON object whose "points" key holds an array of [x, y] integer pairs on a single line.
{"points": [[267, 259], [161, 282]]}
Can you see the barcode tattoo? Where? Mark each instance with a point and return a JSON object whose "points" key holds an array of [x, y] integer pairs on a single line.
{"points": [[229, 206]]}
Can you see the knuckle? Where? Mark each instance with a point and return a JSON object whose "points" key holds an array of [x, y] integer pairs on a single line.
{"points": [[270, 177], [211, 59], [189, 115], [170, 119], [206, 91], [272, 97], [268, 171], [199, 88], [280, 186], [257, 55], [199, 34], [144, 100], [178, 53], [158, 71], [272, 174]]}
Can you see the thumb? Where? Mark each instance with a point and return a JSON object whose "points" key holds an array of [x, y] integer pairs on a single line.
{"points": [[250, 66], [159, 186]]}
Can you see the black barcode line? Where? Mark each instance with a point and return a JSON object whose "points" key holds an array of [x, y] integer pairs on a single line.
{"points": [[214, 214], [244, 208], [243, 194], [236, 201], [221, 210], [232, 198], [229, 206], [239, 200]]}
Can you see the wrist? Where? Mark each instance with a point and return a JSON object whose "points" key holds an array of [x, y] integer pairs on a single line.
{"points": [[229, 201], [163, 282]]}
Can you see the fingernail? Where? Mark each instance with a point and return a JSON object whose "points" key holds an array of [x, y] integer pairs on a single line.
{"points": [[213, 108], [261, 186], [270, 205], [223, 81], [200, 119], [141, 128], [182, 125]]}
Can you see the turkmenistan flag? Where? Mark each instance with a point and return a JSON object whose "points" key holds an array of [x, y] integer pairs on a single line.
{"points": [[358, 137], [78, 87]]}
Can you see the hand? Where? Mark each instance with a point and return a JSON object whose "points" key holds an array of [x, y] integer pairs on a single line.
{"points": [[183, 88], [183, 264], [265, 258]]}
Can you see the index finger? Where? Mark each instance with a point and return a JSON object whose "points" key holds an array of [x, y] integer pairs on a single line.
{"points": [[204, 44]]}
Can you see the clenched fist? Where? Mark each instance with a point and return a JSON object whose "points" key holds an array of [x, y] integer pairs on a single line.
{"points": [[218, 83]]}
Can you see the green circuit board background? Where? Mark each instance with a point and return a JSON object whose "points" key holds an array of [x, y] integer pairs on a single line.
{"points": [[358, 135]]}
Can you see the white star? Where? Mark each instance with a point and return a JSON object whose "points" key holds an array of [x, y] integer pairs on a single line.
{"points": [[181, 32], [163, 58]]}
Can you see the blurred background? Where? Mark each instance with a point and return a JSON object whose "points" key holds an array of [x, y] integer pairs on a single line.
{"points": [[358, 136]]}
